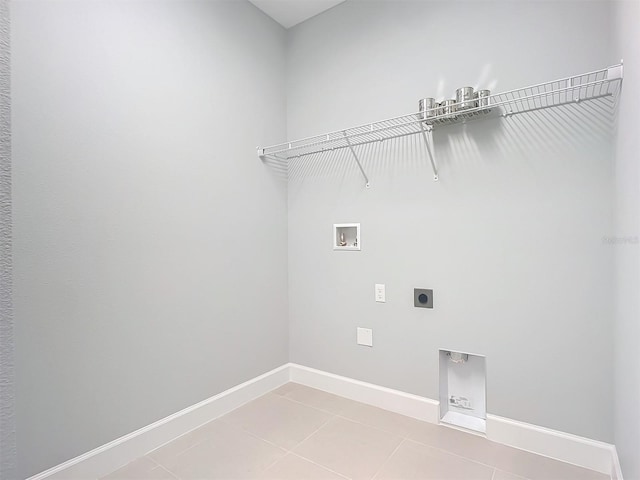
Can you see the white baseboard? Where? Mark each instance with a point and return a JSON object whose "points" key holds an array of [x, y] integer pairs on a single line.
{"points": [[113, 455], [616, 470], [598, 456], [566, 447], [394, 400], [584, 452]]}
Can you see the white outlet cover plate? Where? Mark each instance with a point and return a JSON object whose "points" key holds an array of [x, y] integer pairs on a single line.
{"points": [[380, 293], [365, 337]]}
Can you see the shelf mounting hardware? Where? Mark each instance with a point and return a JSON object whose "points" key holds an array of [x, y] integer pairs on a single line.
{"points": [[366, 179], [427, 145]]}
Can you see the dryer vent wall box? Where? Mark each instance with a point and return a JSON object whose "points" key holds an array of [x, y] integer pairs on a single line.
{"points": [[463, 397]]}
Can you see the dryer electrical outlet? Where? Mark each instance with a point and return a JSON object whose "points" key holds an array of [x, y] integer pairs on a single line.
{"points": [[423, 297]]}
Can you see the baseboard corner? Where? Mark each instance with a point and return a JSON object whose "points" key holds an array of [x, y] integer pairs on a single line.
{"points": [[616, 469]]}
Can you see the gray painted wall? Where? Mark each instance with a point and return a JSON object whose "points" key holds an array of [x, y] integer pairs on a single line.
{"points": [[150, 243], [7, 377], [139, 206], [626, 20], [510, 238]]}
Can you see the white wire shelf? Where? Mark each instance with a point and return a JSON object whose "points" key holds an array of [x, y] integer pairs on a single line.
{"points": [[576, 89]]}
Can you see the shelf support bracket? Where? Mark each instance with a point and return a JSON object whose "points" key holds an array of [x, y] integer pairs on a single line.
{"points": [[353, 152], [427, 146], [264, 156]]}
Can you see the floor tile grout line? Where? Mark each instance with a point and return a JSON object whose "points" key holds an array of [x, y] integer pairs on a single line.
{"points": [[373, 426], [334, 416], [148, 454], [319, 465], [252, 434], [406, 436], [340, 414], [312, 434], [239, 427], [258, 437], [331, 416], [387, 459], [273, 463], [288, 451], [177, 454], [311, 406], [403, 437], [167, 470], [151, 459], [171, 471], [443, 450], [510, 472]]}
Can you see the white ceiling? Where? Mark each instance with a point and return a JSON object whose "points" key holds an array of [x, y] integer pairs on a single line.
{"points": [[291, 12]]}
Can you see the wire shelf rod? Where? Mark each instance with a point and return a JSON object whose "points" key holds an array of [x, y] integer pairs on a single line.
{"points": [[572, 86], [379, 140], [598, 84], [565, 79], [410, 119]]}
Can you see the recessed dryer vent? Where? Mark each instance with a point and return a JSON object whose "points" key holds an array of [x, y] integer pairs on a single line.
{"points": [[463, 390]]}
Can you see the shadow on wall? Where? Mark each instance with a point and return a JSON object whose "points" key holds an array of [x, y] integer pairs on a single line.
{"points": [[277, 166], [529, 141]]}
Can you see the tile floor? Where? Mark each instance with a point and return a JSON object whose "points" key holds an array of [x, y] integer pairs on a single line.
{"points": [[297, 432]]}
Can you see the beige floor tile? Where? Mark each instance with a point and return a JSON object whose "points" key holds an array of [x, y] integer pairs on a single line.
{"points": [[184, 442], [468, 445], [286, 388], [536, 467], [379, 418], [414, 460], [502, 457], [279, 420], [500, 475], [228, 453], [322, 400], [293, 467], [140, 469], [354, 450], [339, 437]]}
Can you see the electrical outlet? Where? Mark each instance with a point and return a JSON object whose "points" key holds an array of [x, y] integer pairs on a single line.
{"points": [[365, 337], [460, 402], [380, 293], [423, 297]]}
